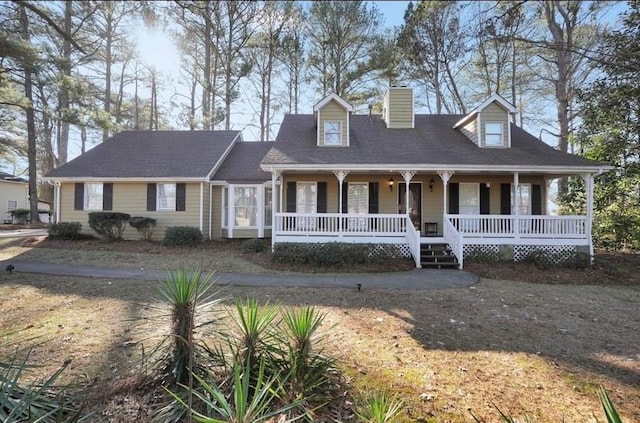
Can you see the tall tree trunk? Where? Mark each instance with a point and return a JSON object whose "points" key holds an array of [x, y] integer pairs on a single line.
{"points": [[64, 102], [107, 85], [31, 122], [206, 77]]}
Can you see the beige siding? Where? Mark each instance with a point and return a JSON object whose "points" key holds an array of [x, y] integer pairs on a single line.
{"points": [[205, 210], [13, 191], [216, 213], [333, 111], [400, 107], [471, 130], [131, 197], [495, 113]]}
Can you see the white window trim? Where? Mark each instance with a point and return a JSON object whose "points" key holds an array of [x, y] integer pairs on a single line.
{"points": [[233, 207], [267, 223], [486, 133], [9, 208], [366, 185], [315, 203], [175, 190], [224, 223], [339, 123], [86, 196]]}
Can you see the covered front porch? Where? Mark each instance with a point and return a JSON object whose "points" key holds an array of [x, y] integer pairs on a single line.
{"points": [[460, 212]]}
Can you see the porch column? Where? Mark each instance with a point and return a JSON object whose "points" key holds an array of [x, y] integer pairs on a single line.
{"points": [[588, 184], [516, 202], [340, 175], [275, 174], [57, 197], [445, 176], [231, 212], [407, 175]]}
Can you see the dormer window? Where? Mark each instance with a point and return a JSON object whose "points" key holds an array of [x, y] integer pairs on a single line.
{"points": [[332, 132], [493, 134]]}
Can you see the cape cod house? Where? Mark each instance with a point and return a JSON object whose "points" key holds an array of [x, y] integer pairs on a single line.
{"points": [[437, 186]]}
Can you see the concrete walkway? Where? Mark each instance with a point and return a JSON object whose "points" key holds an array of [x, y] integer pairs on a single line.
{"points": [[414, 279]]}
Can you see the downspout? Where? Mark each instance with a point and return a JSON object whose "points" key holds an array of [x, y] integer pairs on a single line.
{"points": [[210, 210], [57, 194], [201, 206]]}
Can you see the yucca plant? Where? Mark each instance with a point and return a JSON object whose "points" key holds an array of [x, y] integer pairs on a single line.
{"points": [[609, 409], [253, 398], [254, 323], [189, 295], [309, 370], [36, 402], [378, 407]]}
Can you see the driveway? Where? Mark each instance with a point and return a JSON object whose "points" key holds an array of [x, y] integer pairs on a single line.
{"points": [[22, 233]]}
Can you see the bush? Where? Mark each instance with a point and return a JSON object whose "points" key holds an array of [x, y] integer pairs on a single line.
{"points": [[182, 236], [108, 224], [333, 254], [20, 216], [65, 230], [144, 226], [255, 245]]}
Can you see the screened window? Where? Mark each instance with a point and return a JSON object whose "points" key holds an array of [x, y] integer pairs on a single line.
{"points": [[469, 199], [268, 206], [333, 132], [166, 197], [93, 196], [524, 196], [493, 134], [358, 198], [246, 207]]}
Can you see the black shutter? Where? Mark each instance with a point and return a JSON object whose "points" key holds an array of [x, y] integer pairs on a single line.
{"points": [[373, 197], [505, 198], [345, 197], [454, 198], [107, 196], [291, 197], [78, 199], [151, 197], [536, 199], [322, 197], [485, 207], [181, 197]]}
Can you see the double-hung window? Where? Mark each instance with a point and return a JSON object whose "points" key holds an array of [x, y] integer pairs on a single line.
{"points": [[306, 202], [358, 201], [493, 134], [246, 207], [93, 196], [524, 199], [332, 132], [166, 199], [268, 206]]}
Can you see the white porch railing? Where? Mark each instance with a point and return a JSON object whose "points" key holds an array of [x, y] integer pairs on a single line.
{"points": [[336, 225], [529, 229], [453, 237], [413, 239]]}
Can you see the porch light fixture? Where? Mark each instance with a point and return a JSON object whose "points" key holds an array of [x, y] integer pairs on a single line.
{"points": [[391, 184], [431, 182]]}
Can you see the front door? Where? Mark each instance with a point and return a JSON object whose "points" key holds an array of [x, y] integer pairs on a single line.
{"points": [[415, 202]]}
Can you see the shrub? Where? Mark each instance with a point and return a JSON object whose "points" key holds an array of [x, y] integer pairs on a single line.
{"points": [[255, 245], [182, 236], [65, 230], [144, 226], [108, 224], [20, 216], [333, 254]]}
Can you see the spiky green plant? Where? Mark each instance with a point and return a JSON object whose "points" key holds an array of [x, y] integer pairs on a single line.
{"points": [[36, 402], [254, 323], [378, 407], [189, 294], [254, 398], [609, 409]]}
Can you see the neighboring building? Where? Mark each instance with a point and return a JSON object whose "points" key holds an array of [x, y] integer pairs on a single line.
{"points": [[14, 194], [473, 182]]}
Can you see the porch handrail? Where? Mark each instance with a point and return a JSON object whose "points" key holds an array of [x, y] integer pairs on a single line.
{"points": [[454, 238], [339, 223], [520, 226], [413, 239]]}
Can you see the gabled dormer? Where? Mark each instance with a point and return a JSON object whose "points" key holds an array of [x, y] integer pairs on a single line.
{"points": [[397, 108], [488, 125], [332, 121]]}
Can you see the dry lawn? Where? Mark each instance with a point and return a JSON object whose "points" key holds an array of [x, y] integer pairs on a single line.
{"points": [[540, 349]]}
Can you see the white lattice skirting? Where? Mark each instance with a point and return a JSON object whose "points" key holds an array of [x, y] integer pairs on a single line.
{"points": [[401, 250], [555, 254]]}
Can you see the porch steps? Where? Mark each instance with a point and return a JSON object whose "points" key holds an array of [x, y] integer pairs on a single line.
{"points": [[437, 256]]}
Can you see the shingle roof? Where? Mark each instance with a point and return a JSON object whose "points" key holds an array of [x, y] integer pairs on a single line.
{"points": [[432, 142], [151, 154], [242, 165], [9, 177]]}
